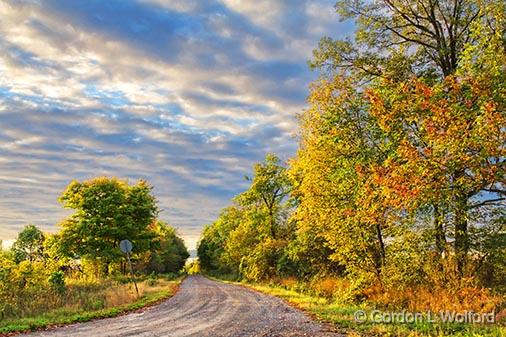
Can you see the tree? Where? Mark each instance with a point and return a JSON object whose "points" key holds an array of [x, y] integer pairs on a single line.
{"points": [[29, 245], [107, 210], [269, 186], [400, 39], [211, 247], [338, 200], [449, 133], [362, 165], [168, 253], [250, 238]]}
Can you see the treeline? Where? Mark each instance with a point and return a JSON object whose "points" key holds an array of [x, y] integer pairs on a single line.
{"points": [[254, 236], [399, 179], [106, 211]]}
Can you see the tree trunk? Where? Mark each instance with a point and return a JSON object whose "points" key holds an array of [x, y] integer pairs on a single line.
{"points": [[106, 268], [461, 234], [439, 232], [381, 245], [272, 223]]}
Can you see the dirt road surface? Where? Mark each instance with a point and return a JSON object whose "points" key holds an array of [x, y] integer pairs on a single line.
{"points": [[204, 308]]}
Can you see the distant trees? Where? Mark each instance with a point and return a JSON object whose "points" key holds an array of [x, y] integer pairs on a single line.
{"points": [[168, 252], [29, 245], [107, 210], [269, 186], [214, 238], [250, 237]]}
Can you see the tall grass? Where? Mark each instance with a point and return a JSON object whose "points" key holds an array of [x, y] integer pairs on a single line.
{"points": [[81, 301]]}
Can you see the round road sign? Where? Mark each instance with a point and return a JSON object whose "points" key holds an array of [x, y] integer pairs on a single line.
{"points": [[125, 246]]}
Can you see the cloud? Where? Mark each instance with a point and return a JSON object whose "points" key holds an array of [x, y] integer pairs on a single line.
{"points": [[185, 94]]}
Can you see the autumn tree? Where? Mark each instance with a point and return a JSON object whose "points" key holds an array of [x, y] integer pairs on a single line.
{"points": [[450, 133], [337, 198], [356, 163]]}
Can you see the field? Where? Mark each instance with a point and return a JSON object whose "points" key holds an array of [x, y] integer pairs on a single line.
{"points": [[87, 300]]}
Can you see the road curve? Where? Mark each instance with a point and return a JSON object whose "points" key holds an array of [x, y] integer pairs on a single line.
{"points": [[203, 308]]}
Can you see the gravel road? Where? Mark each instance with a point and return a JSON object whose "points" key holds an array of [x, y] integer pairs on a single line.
{"points": [[202, 308]]}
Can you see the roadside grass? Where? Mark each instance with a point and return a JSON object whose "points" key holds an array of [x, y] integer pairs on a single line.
{"points": [[107, 299], [341, 316]]}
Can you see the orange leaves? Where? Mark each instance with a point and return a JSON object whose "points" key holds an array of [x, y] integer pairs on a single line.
{"points": [[378, 109], [432, 130], [347, 212], [377, 103], [489, 108], [423, 89], [359, 169], [454, 125], [395, 186], [407, 151]]}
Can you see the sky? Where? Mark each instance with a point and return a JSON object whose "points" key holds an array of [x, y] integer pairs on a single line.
{"points": [[185, 94]]}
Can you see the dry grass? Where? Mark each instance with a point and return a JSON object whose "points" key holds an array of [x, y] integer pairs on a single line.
{"points": [[437, 299], [458, 298], [123, 294], [81, 296], [289, 282], [86, 300], [330, 287]]}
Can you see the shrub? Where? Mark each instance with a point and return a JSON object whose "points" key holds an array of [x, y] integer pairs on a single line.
{"points": [[288, 282], [331, 287], [57, 282]]}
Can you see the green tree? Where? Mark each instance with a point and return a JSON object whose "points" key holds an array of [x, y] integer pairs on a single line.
{"points": [[168, 252], [269, 187], [29, 245], [107, 210], [211, 246], [250, 238]]}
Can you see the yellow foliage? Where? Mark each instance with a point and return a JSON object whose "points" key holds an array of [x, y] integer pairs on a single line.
{"points": [[288, 282], [422, 299]]}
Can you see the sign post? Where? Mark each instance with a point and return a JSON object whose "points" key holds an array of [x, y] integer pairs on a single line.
{"points": [[126, 247]]}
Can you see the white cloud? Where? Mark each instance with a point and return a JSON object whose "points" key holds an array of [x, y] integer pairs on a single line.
{"points": [[185, 94]]}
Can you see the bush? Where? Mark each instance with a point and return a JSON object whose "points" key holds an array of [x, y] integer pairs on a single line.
{"points": [[57, 282], [331, 287], [192, 268]]}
